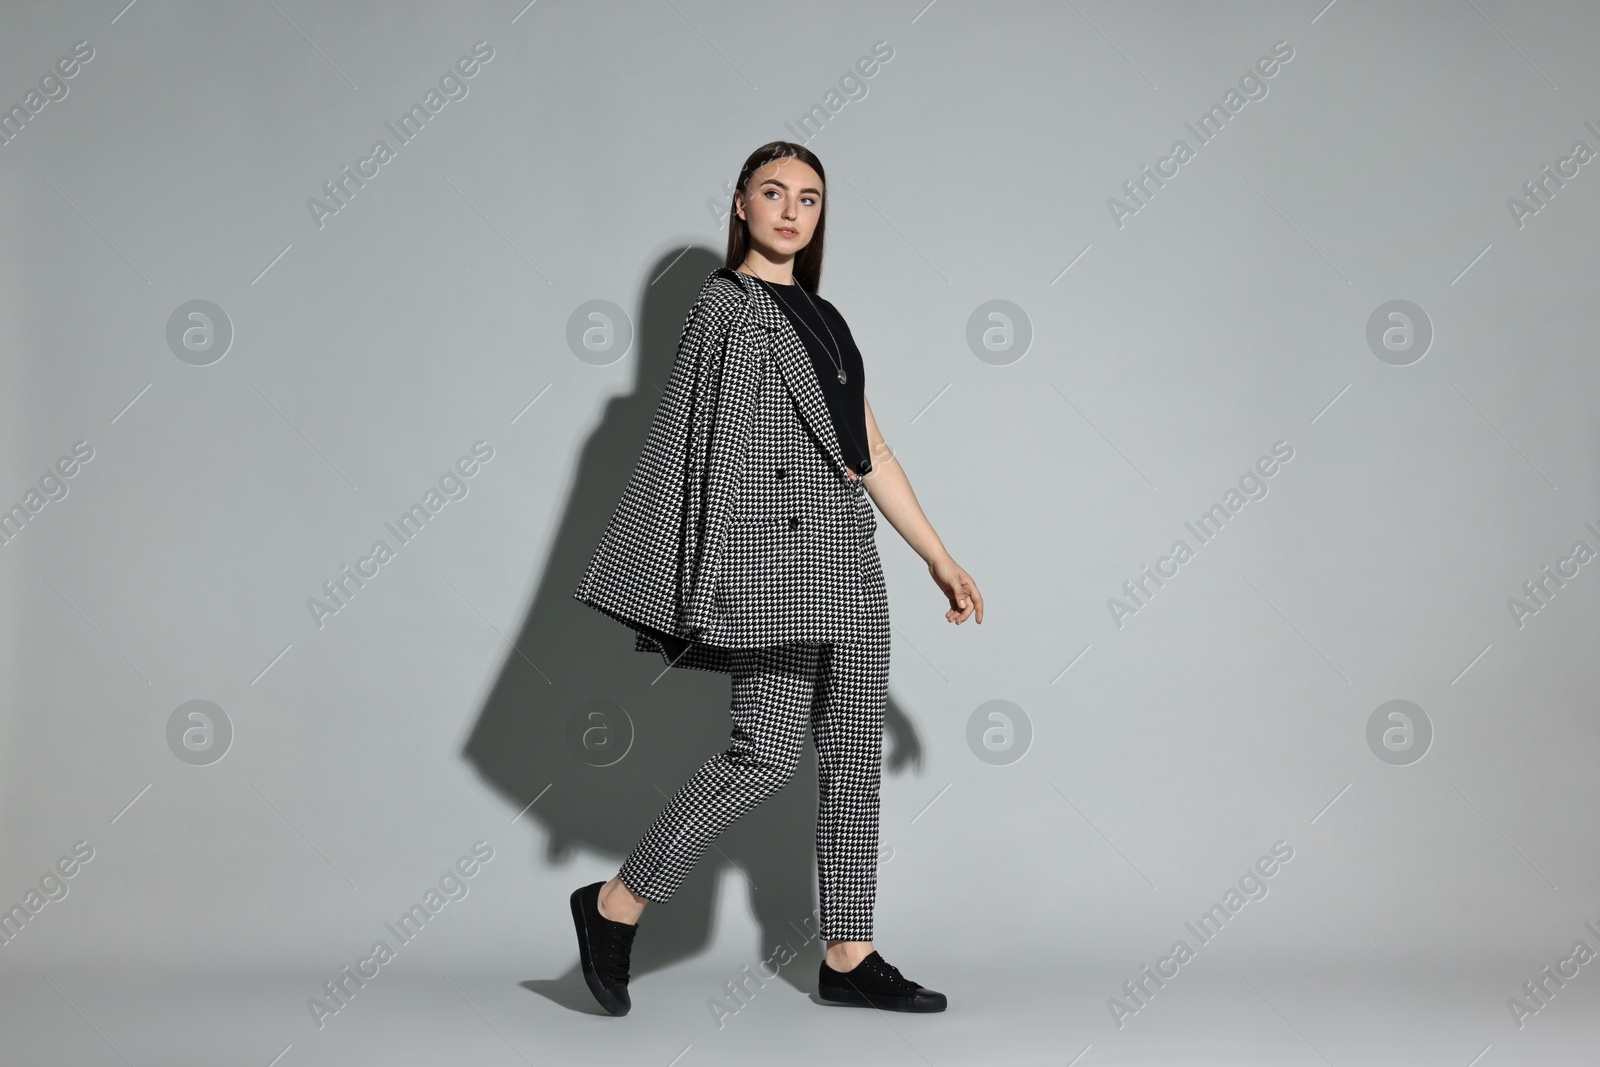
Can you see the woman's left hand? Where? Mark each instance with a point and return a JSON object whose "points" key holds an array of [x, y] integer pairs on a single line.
{"points": [[959, 588]]}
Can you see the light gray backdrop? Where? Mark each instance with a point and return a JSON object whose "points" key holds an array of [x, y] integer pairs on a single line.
{"points": [[1350, 323]]}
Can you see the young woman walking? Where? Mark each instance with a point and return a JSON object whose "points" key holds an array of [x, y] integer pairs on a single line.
{"points": [[744, 544]]}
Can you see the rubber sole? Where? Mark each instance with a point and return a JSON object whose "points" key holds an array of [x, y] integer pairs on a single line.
{"points": [[857, 999], [608, 1000]]}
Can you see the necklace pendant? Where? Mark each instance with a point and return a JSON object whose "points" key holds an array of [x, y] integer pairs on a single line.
{"points": [[841, 377]]}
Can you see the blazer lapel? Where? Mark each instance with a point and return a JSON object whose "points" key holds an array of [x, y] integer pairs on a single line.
{"points": [[794, 362]]}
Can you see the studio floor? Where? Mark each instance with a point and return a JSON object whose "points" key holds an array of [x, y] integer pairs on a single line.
{"points": [[685, 1015]]}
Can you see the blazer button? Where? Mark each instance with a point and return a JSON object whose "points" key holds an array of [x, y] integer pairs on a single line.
{"points": [[794, 523], [780, 472]]}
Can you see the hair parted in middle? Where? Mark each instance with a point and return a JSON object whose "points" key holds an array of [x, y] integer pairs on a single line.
{"points": [[808, 261]]}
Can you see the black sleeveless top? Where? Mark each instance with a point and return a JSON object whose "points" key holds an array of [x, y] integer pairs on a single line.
{"points": [[812, 319]]}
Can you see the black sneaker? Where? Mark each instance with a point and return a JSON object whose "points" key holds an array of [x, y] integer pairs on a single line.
{"points": [[604, 948], [876, 983]]}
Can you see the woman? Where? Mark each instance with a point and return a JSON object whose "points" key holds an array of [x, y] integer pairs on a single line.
{"points": [[744, 544]]}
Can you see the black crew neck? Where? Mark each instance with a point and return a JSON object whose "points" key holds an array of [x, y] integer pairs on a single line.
{"points": [[759, 278]]}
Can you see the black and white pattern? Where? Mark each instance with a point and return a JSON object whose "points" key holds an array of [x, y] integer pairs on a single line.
{"points": [[841, 692], [739, 527]]}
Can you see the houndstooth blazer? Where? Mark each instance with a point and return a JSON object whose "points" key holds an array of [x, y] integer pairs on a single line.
{"points": [[739, 526]]}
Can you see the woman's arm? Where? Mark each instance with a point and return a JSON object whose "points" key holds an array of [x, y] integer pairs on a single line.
{"points": [[890, 490]]}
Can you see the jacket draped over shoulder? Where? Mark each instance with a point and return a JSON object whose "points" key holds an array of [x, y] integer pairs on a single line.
{"points": [[739, 526]]}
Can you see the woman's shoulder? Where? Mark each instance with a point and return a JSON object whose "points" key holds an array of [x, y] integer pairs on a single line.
{"points": [[723, 284], [721, 300], [833, 312]]}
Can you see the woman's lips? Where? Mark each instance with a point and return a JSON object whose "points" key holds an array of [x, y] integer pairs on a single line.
{"points": [[786, 232]]}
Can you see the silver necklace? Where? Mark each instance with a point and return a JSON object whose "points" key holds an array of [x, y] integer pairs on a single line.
{"points": [[838, 360]]}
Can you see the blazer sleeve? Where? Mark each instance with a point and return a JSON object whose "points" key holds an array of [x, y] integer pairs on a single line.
{"points": [[721, 407]]}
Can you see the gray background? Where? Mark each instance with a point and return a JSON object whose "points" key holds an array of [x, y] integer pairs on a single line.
{"points": [[1144, 767]]}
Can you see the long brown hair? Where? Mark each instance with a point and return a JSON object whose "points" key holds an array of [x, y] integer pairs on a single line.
{"points": [[808, 261]]}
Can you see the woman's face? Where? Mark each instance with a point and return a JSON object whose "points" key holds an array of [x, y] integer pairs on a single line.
{"points": [[783, 207]]}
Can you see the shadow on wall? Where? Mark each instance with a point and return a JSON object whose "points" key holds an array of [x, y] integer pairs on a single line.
{"points": [[602, 738]]}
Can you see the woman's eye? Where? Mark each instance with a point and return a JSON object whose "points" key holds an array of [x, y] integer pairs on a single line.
{"points": [[774, 192]]}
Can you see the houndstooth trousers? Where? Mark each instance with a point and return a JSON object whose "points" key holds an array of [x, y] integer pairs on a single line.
{"points": [[840, 691]]}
